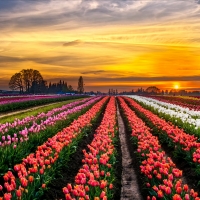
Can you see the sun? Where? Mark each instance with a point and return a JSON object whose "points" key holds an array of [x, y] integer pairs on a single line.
{"points": [[176, 87]]}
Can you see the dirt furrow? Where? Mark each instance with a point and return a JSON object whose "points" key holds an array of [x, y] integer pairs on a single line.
{"points": [[130, 188]]}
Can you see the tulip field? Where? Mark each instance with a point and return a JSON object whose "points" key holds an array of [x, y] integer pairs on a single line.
{"points": [[73, 152]]}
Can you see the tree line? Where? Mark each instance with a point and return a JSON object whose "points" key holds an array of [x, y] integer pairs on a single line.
{"points": [[153, 90], [31, 81]]}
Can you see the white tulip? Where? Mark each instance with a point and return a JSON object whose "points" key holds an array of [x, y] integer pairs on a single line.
{"points": [[184, 114]]}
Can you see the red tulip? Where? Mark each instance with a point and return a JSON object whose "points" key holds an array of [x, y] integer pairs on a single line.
{"points": [[18, 193]]}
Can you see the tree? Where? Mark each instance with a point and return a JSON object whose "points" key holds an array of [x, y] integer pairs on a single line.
{"points": [[70, 88], [16, 82], [80, 85], [153, 90], [64, 87], [29, 79], [39, 87]]}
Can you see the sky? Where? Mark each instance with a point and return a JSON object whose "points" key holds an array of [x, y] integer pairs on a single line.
{"points": [[118, 44]]}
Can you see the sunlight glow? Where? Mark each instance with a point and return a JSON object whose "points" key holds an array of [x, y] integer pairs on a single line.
{"points": [[176, 87]]}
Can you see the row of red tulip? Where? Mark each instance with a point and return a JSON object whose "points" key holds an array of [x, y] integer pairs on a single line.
{"points": [[95, 179], [185, 142], [31, 175], [163, 179]]}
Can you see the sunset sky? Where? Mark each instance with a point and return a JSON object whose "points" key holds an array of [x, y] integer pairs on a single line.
{"points": [[119, 44]]}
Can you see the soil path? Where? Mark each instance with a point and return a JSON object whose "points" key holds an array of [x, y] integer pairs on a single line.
{"points": [[130, 188], [23, 111]]}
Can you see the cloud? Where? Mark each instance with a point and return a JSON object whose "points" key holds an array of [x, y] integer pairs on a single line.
{"points": [[73, 60], [197, 1], [129, 80], [94, 72], [133, 79], [72, 43], [4, 59], [75, 14]]}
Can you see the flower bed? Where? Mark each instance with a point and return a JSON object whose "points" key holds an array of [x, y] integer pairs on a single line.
{"points": [[19, 130], [183, 143], [187, 119], [12, 153], [161, 177], [17, 99], [96, 177], [33, 173], [32, 101], [187, 102]]}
